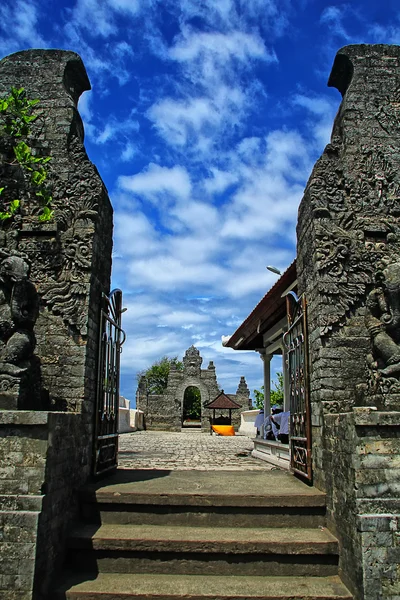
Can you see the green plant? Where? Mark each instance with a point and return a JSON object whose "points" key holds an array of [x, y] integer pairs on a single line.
{"points": [[259, 397], [16, 117], [157, 375], [192, 403], [276, 395]]}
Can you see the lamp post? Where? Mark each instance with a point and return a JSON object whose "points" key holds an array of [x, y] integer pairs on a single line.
{"points": [[274, 270]]}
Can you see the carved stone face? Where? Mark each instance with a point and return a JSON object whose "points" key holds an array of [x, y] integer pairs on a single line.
{"points": [[392, 276], [13, 269]]}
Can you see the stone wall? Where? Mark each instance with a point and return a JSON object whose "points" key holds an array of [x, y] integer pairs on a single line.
{"points": [[43, 464], [348, 266], [164, 412], [45, 457], [70, 257]]}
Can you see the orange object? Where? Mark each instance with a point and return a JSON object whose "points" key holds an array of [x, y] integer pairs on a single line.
{"points": [[223, 429]]}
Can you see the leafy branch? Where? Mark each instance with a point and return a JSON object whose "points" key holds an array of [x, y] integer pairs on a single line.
{"points": [[16, 115]]}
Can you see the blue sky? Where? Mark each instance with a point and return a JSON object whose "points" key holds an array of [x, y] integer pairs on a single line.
{"points": [[205, 119]]}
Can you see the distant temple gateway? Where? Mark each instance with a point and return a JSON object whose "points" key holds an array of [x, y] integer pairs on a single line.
{"points": [[169, 411]]}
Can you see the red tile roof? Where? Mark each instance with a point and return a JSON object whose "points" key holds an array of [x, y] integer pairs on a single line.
{"points": [[222, 401], [270, 309]]}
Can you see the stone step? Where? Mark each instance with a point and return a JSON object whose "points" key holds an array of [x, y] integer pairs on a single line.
{"points": [[191, 429], [200, 488], [118, 586], [202, 550], [226, 499], [209, 516]]}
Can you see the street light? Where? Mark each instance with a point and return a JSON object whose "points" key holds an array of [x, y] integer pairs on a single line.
{"points": [[274, 270]]}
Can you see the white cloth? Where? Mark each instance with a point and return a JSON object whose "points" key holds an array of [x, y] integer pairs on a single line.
{"points": [[282, 419], [259, 419], [270, 425]]}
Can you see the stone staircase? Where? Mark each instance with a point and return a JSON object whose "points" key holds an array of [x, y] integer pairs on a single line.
{"points": [[195, 535]]}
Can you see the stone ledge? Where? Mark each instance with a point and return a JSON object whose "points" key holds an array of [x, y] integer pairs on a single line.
{"points": [[21, 503], [23, 417], [378, 522], [370, 417], [272, 452]]}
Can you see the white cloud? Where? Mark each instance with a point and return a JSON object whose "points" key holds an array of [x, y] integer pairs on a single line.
{"points": [[135, 235], [172, 273], [122, 49], [143, 350], [323, 110], [131, 7], [182, 318], [197, 216], [333, 16], [129, 151], [116, 128], [215, 61], [177, 120], [142, 308], [156, 181], [191, 121], [271, 15], [195, 250], [93, 16], [385, 34], [84, 106], [100, 61], [219, 47], [19, 23], [220, 181]]}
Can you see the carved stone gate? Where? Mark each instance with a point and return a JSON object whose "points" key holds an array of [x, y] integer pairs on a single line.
{"points": [[111, 340], [164, 411], [295, 340]]}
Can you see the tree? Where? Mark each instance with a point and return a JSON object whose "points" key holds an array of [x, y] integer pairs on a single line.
{"points": [[157, 375], [192, 403], [276, 396], [16, 119], [259, 397]]}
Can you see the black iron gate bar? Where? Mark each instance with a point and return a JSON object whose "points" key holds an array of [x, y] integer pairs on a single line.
{"points": [[111, 339], [300, 411]]}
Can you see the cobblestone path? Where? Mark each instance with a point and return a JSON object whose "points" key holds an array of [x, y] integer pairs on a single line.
{"points": [[186, 451]]}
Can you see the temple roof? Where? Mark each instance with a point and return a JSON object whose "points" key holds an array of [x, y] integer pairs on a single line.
{"points": [[269, 311], [222, 401]]}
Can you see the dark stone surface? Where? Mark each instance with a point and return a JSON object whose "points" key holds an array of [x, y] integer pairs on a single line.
{"points": [[20, 376], [348, 266]]}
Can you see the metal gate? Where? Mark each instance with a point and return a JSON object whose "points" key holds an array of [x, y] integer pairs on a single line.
{"points": [[111, 339], [295, 340]]}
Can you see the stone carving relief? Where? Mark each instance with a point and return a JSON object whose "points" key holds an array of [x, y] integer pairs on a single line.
{"points": [[388, 113], [62, 253], [353, 233], [382, 319], [19, 309], [192, 361]]}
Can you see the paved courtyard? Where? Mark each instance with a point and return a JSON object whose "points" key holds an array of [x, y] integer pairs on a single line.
{"points": [[187, 450]]}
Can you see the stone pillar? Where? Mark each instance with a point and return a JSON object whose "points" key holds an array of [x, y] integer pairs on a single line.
{"points": [[70, 266], [286, 397], [70, 256], [242, 397], [243, 394], [141, 397], [266, 358], [348, 267]]}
